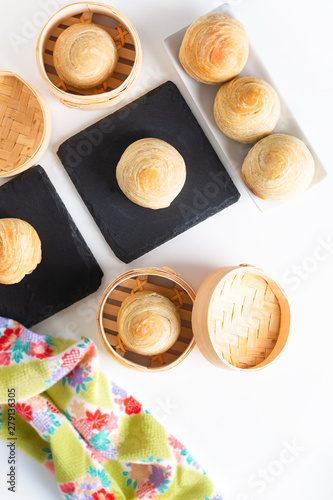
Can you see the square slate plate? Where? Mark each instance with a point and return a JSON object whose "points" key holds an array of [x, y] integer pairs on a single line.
{"points": [[91, 156], [68, 271]]}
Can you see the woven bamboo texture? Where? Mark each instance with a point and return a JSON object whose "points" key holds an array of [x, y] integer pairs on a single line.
{"points": [[126, 51], [21, 124], [168, 288], [244, 319]]}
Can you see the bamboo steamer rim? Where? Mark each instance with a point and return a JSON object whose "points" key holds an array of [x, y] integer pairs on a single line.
{"points": [[221, 274], [72, 100], [45, 139], [155, 271]]}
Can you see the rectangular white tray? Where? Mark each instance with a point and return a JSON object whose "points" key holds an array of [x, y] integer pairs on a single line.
{"points": [[232, 153]]}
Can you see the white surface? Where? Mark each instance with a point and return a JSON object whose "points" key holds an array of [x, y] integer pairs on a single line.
{"points": [[232, 153], [238, 425]]}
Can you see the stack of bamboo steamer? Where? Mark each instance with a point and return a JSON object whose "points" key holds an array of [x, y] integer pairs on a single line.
{"points": [[119, 84]]}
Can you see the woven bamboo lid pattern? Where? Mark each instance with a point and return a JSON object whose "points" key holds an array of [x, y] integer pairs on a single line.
{"points": [[164, 282], [25, 125], [244, 318], [128, 44], [241, 318]]}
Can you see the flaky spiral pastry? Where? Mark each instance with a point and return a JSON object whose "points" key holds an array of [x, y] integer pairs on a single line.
{"points": [[278, 167], [151, 173], [246, 109], [148, 323], [20, 250], [84, 55], [214, 49]]}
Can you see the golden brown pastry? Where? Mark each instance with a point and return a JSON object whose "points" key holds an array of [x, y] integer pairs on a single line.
{"points": [[246, 109], [20, 250], [214, 49], [278, 167], [84, 55], [148, 323], [151, 173]]}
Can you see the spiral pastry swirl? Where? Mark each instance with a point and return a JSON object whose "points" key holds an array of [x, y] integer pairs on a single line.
{"points": [[278, 167], [84, 55], [20, 250], [151, 173], [246, 109], [148, 323], [214, 48]]}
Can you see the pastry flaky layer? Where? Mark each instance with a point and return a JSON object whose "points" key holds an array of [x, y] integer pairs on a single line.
{"points": [[214, 49], [148, 323], [278, 167], [151, 173], [246, 109], [20, 250], [85, 55]]}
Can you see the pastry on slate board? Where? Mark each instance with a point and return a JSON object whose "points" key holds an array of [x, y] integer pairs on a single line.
{"points": [[85, 55], [163, 113], [20, 250], [278, 167], [214, 48], [148, 323], [151, 173], [246, 109]]}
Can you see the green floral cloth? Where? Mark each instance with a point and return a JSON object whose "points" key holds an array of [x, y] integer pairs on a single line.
{"points": [[100, 442]]}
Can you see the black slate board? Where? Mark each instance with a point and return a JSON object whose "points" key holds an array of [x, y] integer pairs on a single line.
{"points": [[68, 271], [91, 156]]}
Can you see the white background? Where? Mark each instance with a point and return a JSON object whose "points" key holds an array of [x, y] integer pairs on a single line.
{"points": [[236, 424]]}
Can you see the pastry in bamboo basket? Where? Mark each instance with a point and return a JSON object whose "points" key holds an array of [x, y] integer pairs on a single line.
{"points": [[246, 109], [157, 282], [241, 318], [129, 60], [278, 167], [20, 250], [25, 124], [214, 49], [148, 323], [151, 173]]}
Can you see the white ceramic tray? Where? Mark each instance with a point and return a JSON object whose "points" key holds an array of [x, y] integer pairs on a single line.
{"points": [[231, 152]]}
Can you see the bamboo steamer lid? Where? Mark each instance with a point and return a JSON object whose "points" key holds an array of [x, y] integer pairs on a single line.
{"points": [[240, 317], [25, 125]]}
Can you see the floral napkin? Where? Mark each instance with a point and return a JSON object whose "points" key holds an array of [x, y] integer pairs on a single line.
{"points": [[99, 441]]}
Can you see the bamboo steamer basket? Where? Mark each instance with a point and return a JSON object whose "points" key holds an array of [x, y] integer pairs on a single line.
{"points": [[163, 281], [25, 125], [119, 84], [241, 318]]}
